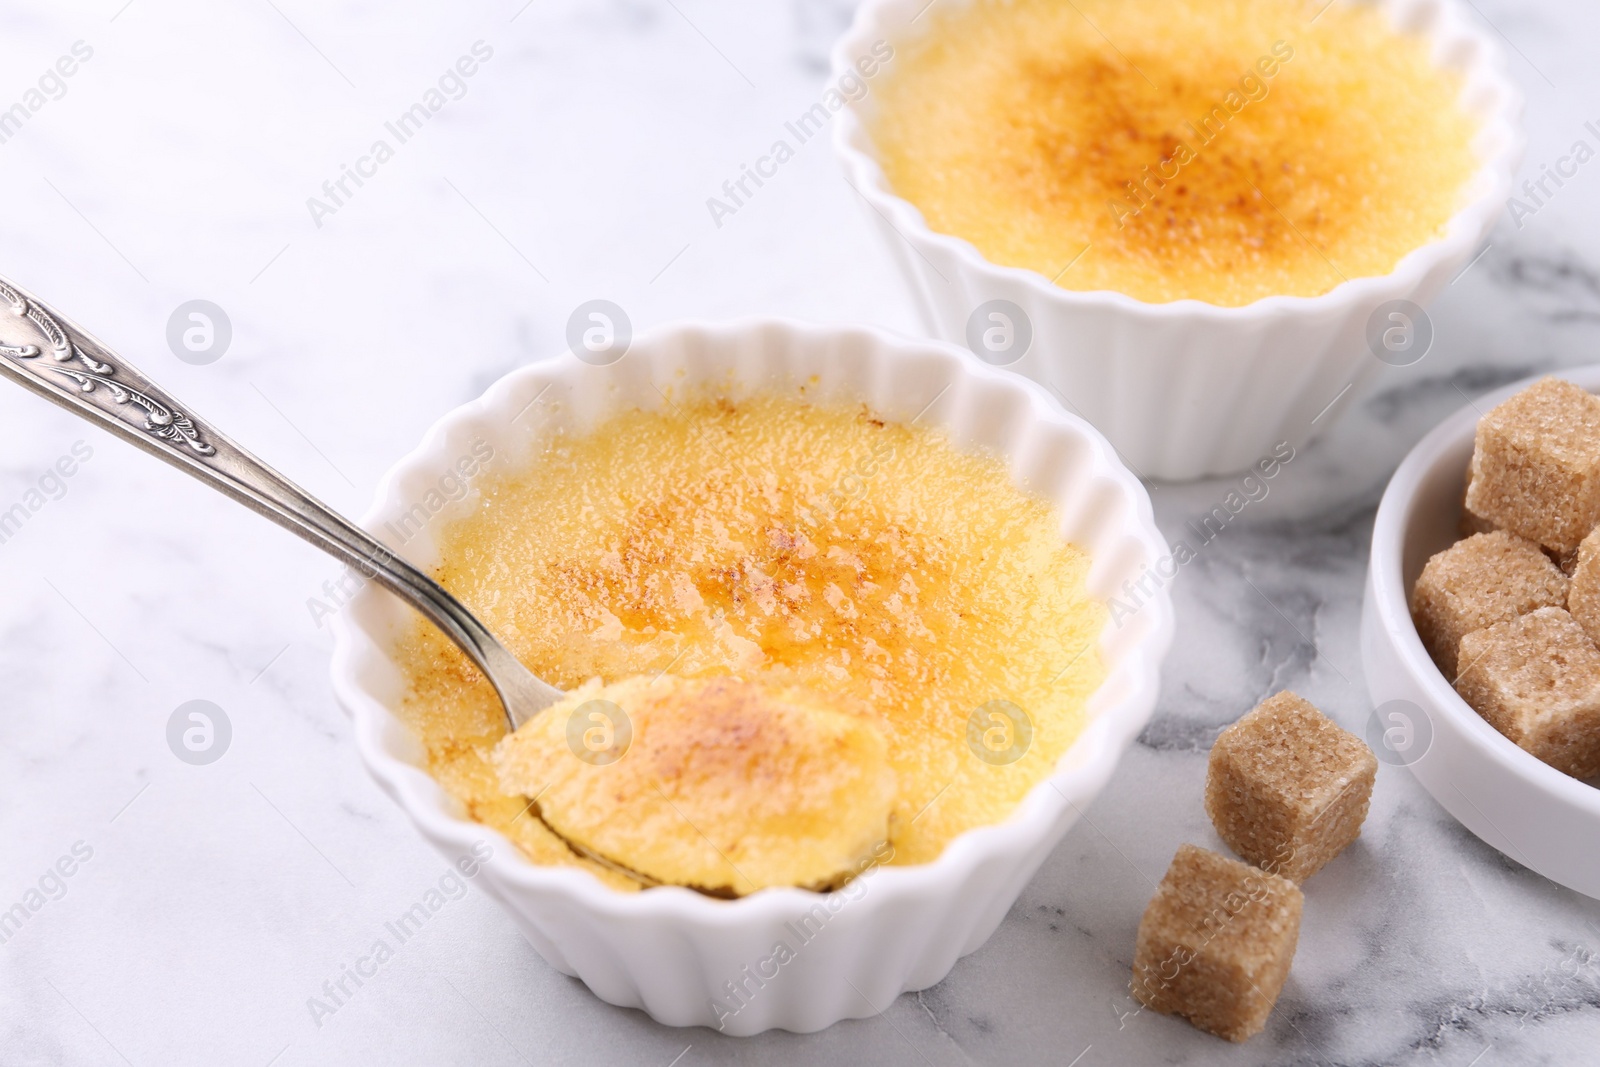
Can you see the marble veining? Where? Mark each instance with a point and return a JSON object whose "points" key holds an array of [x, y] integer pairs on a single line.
{"points": [[217, 899]]}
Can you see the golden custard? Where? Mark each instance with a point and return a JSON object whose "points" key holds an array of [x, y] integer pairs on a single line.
{"points": [[726, 786], [784, 543], [1215, 150]]}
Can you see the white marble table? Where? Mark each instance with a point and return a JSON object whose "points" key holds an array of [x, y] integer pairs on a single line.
{"points": [[176, 164]]}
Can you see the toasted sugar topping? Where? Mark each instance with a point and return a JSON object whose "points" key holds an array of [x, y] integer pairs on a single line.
{"points": [[1222, 152], [795, 544]]}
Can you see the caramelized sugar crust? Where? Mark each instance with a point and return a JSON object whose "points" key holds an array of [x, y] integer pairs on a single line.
{"points": [[793, 544], [1216, 150]]}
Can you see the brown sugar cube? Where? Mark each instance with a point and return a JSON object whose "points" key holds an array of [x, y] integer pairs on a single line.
{"points": [[1215, 943], [1471, 522], [1485, 579], [1583, 595], [1536, 465], [1286, 788], [1536, 679]]}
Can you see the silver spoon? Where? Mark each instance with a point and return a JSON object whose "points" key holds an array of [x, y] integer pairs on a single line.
{"points": [[45, 352]]}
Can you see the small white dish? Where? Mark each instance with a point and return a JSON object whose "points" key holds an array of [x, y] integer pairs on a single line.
{"points": [[1185, 389], [1538, 816], [672, 952]]}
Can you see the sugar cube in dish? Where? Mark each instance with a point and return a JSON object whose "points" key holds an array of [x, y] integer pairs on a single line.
{"points": [[1583, 595], [1471, 522], [1536, 465], [1485, 579], [1536, 679]]}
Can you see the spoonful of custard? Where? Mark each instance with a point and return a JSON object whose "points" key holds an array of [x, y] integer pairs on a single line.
{"points": [[731, 786], [722, 785]]}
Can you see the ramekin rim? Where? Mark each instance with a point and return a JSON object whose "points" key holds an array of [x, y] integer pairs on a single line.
{"points": [[1093, 755]]}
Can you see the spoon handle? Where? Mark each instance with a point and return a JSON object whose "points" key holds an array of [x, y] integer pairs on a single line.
{"points": [[47, 353]]}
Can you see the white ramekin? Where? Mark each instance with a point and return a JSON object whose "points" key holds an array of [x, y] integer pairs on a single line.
{"points": [[1543, 819], [670, 951], [1186, 389]]}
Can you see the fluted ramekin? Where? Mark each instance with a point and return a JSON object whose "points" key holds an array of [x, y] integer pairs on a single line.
{"points": [[1186, 389], [670, 951]]}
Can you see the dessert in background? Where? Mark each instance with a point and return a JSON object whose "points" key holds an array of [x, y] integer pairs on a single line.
{"points": [[1176, 149]]}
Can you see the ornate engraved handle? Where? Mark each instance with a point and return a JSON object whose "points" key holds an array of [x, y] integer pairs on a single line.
{"points": [[59, 360], [45, 352]]}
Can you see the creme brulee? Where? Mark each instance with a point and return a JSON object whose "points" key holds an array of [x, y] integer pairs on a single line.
{"points": [[1215, 150], [803, 548]]}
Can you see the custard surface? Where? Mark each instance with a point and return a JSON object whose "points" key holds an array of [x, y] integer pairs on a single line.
{"points": [[1215, 150], [779, 541]]}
